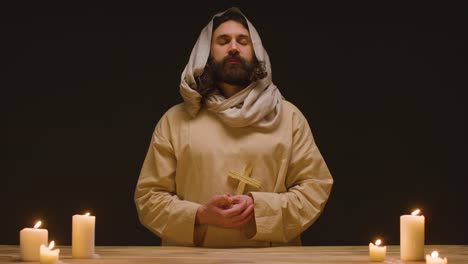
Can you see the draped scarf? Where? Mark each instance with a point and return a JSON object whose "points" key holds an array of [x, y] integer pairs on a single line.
{"points": [[257, 105]]}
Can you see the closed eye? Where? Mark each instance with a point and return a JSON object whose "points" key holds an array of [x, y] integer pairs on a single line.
{"points": [[223, 39]]}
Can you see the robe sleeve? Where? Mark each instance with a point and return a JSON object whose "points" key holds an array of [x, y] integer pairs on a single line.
{"points": [[281, 217], [159, 208]]}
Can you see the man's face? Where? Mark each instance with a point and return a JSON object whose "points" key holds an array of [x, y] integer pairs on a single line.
{"points": [[232, 53]]}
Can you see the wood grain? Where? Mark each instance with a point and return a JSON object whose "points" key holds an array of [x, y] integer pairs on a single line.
{"points": [[456, 254]]}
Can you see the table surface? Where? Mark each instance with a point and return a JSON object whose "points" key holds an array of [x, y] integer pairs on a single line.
{"points": [[456, 254]]}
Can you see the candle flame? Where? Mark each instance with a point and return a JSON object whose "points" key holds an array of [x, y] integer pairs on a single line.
{"points": [[416, 212], [87, 214], [52, 244], [38, 224], [378, 242], [434, 254]]}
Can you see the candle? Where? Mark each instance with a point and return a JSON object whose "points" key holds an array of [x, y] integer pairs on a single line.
{"points": [[377, 252], [83, 236], [49, 256], [30, 241], [435, 259], [412, 236]]}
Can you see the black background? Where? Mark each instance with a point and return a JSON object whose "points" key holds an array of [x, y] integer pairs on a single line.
{"points": [[380, 82]]}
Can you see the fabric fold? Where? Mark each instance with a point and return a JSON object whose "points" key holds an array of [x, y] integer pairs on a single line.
{"points": [[258, 105]]}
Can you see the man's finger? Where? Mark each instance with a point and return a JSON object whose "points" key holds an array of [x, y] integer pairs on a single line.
{"points": [[233, 211], [222, 201], [245, 214], [243, 221]]}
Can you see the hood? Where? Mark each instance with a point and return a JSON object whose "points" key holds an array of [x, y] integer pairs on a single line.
{"points": [[259, 104]]}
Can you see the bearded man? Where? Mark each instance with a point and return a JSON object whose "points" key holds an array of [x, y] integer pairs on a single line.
{"points": [[235, 164]]}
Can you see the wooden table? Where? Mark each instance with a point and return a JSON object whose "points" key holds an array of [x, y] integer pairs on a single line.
{"points": [[456, 254]]}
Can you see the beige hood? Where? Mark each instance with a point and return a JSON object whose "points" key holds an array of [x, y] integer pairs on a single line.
{"points": [[257, 105]]}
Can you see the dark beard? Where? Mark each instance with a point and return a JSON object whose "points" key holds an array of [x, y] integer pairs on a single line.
{"points": [[207, 81], [233, 73]]}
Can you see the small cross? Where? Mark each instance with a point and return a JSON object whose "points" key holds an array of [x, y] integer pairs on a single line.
{"points": [[244, 179]]}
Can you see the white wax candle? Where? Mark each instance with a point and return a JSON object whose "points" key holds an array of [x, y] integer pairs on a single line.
{"points": [[377, 252], [83, 236], [30, 241], [435, 259], [49, 256], [412, 236]]}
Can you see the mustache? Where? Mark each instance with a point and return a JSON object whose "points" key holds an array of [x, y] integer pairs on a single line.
{"points": [[234, 56]]}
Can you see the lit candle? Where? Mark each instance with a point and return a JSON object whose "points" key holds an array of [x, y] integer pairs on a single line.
{"points": [[49, 256], [83, 236], [435, 259], [377, 252], [412, 236], [30, 241]]}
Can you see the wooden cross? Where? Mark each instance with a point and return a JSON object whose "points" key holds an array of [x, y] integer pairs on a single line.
{"points": [[244, 179]]}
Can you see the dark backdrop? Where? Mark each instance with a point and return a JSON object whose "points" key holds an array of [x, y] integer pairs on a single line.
{"points": [[82, 87]]}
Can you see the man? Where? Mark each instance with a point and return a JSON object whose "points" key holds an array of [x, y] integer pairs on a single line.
{"points": [[235, 165]]}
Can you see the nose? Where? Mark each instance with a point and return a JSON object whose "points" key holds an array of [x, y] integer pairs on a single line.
{"points": [[233, 48], [233, 52]]}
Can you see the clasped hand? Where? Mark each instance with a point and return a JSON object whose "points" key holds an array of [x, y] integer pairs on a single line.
{"points": [[226, 211]]}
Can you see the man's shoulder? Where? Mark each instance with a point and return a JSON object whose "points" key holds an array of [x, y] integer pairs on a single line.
{"points": [[290, 108], [174, 116], [293, 113], [177, 110], [172, 119]]}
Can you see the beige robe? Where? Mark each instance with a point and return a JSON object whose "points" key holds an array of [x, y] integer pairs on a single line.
{"points": [[189, 160], [194, 148]]}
